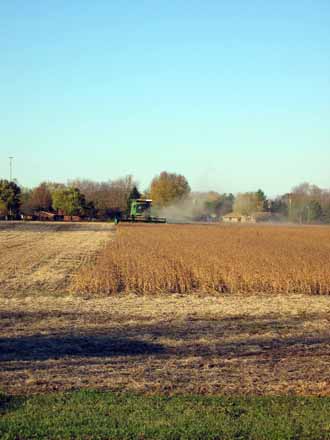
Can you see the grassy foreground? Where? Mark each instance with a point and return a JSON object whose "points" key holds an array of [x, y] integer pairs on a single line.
{"points": [[99, 415]]}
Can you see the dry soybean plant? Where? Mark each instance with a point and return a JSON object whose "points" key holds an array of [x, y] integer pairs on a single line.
{"points": [[245, 259]]}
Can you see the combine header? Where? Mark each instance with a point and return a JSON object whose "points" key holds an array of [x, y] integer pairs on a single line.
{"points": [[141, 212]]}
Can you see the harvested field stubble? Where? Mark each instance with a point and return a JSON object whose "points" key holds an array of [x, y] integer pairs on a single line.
{"points": [[41, 256], [211, 258], [174, 344]]}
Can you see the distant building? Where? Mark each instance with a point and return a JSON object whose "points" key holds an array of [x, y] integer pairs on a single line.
{"points": [[72, 218], [232, 218], [48, 216], [257, 217]]}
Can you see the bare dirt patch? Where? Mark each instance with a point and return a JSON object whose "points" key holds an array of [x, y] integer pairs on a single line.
{"points": [[170, 344], [42, 256]]}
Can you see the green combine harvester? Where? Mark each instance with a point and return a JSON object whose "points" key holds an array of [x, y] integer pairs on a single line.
{"points": [[141, 212]]}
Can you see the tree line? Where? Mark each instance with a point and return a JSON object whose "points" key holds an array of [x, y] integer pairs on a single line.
{"points": [[306, 203]]}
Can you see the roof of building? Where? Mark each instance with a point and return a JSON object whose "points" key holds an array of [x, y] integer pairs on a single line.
{"points": [[232, 215], [256, 215]]}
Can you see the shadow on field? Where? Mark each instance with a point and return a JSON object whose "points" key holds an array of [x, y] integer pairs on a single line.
{"points": [[55, 226], [268, 336], [56, 347], [10, 403]]}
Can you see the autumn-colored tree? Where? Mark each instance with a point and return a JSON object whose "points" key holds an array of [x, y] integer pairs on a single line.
{"points": [[25, 207], [40, 198], [250, 202], [168, 188], [3, 208], [54, 186]]}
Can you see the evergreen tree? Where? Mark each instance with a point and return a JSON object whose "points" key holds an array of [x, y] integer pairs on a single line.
{"points": [[133, 195], [9, 197]]}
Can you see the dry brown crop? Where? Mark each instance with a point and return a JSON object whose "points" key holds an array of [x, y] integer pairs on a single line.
{"points": [[243, 259]]}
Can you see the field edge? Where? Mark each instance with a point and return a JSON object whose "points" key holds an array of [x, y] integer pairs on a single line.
{"points": [[103, 415]]}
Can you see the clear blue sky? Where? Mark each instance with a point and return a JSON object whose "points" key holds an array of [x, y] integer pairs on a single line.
{"points": [[235, 95]]}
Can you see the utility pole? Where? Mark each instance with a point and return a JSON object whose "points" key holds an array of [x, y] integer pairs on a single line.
{"points": [[290, 205], [11, 167], [11, 178]]}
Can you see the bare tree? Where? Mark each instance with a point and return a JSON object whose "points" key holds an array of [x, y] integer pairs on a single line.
{"points": [[40, 199], [108, 197]]}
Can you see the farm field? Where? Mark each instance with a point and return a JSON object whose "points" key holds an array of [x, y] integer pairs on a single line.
{"points": [[42, 256], [186, 311], [243, 259], [174, 345]]}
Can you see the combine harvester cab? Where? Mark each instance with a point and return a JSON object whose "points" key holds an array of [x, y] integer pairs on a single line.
{"points": [[141, 212]]}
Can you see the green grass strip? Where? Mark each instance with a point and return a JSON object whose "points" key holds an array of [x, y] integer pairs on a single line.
{"points": [[104, 415]]}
